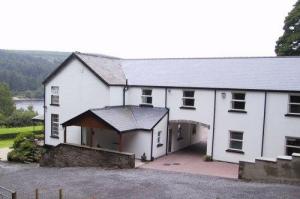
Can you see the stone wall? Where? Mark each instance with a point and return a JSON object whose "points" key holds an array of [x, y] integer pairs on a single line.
{"points": [[282, 169], [70, 155]]}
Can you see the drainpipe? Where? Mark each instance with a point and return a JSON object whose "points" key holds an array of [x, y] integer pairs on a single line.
{"points": [[214, 121]]}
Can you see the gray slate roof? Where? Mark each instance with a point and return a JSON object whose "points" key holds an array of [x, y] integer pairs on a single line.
{"points": [[130, 117], [257, 73], [108, 68]]}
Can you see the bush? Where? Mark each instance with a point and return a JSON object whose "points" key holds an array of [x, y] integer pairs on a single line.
{"points": [[207, 158], [26, 149], [20, 118]]}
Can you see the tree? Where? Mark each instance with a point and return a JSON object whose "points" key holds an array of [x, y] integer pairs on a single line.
{"points": [[7, 106], [289, 43]]}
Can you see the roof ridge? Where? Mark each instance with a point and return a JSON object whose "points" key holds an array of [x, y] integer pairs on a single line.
{"points": [[133, 116], [209, 58], [96, 55]]}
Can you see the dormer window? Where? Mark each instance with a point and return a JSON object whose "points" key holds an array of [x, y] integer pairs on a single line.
{"points": [[55, 95], [188, 99], [294, 104], [146, 97], [238, 101]]}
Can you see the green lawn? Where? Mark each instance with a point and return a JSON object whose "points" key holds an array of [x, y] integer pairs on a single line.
{"points": [[20, 129], [6, 143]]}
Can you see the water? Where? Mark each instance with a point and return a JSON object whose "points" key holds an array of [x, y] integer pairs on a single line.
{"points": [[37, 105]]}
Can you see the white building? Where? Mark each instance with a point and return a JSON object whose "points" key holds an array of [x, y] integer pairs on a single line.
{"points": [[242, 107]]}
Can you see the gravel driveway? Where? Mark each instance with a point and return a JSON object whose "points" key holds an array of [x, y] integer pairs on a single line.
{"points": [[135, 183]]}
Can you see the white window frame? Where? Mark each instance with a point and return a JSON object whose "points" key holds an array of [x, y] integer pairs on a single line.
{"points": [[237, 140], [54, 95], [146, 96], [184, 98], [290, 146], [292, 103], [55, 124], [237, 100]]}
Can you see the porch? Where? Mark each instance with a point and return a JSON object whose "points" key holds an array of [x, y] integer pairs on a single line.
{"points": [[119, 128]]}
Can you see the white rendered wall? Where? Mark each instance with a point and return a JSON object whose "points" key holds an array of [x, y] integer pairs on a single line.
{"points": [[278, 126], [204, 112], [79, 90], [134, 96], [116, 95], [251, 123], [159, 151], [137, 142]]}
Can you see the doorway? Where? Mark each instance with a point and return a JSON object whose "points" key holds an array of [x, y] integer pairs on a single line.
{"points": [[170, 141]]}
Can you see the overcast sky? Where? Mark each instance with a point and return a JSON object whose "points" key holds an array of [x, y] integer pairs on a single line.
{"points": [[139, 28]]}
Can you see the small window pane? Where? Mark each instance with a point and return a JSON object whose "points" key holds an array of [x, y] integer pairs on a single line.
{"points": [[188, 93], [147, 100], [238, 105], [54, 90], [293, 141], [238, 96], [294, 108], [188, 102], [236, 135], [147, 92], [236, 145], [295, 99], [54, 99]]}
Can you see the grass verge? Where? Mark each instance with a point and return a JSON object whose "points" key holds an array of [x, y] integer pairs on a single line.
{"points": [[20, 129], [6, 143]]}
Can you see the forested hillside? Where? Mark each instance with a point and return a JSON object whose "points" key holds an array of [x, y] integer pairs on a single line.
{"points": [[24, 71]]}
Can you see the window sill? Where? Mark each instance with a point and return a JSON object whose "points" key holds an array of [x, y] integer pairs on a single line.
{"points": [[235, 151], [146, 105], [54, 104], [53, 136], [236, 111], [159, 145], [188, 108], [292, 115], [180, 138]]}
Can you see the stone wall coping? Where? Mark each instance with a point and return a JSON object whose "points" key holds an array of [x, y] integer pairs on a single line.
{"points": [[284, 157], [266, 159], [296, 154], [95, 148]]}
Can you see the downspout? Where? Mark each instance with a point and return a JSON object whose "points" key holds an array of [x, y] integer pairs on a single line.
{"points": [[167, 133], [214, 121], [44, 114], [263, 130], [151, 152]]}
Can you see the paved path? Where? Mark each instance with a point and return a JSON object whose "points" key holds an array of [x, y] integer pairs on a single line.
{"points": [[136, 183], [191, 161]]}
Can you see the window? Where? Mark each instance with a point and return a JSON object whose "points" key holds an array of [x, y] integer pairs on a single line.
{"points": [[188, 99], [292, 145], [54, 125], [236, 140], [54, 95], [159, 139], [238, 101], [147, 96], [294, 104]]}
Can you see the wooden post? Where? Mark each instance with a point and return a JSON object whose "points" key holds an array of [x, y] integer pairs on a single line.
{"points": [[65, 134], [60, 194], [14, 195], [36, 194], [120, 142]]}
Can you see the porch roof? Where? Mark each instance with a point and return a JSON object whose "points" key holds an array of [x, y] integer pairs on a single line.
{"points": [[123, 118]]}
